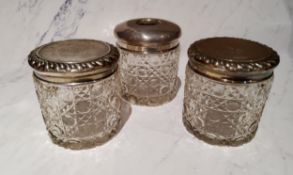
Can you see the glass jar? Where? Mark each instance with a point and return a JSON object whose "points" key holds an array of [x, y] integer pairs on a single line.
{"points": [[76, 85], [227, 84], [148, 65]]}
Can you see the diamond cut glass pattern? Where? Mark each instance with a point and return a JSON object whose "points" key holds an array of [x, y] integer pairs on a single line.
{"points": [[223, 113], [80, 115], [149, 79]]}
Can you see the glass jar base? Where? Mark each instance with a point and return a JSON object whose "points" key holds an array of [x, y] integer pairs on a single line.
{"points": [[80, 144], [90, 142], [154, 100], [96, 140], [219, 142]]}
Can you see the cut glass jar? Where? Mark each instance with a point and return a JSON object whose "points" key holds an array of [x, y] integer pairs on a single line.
{"points": [[76, 84], [149, 55], [227, 84]]}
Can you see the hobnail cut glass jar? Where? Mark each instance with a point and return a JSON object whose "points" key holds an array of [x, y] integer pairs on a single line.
{"points": [[227, 83], [148, 65], [76, 84]]}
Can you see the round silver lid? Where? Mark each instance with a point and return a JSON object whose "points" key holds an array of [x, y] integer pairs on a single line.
{"points": [[147, 33], [74, 60], [232, 59]]}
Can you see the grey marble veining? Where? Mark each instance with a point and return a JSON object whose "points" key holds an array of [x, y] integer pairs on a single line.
{"points": [[153, 141]]}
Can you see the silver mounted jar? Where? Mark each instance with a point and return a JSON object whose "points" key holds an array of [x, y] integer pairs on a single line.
{"points": [[227, 84], [76, 84], [149, 56]]}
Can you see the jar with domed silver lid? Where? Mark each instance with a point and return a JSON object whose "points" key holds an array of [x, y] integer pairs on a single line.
{"points": [[148, 65], [226, 87], [76, 84]]}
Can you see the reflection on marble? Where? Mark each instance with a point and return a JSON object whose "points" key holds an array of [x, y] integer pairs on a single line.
{"points": [[153, 141]]}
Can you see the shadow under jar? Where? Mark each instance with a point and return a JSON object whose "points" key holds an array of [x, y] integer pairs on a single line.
{"points": [[148, 65], [227, 84], [76, 85]]}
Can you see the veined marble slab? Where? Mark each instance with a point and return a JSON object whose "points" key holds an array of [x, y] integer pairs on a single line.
{"points": [[153, 141]]}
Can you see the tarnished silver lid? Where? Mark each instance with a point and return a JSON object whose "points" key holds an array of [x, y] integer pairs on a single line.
{"points": [[232, 59], [147, 34], [74, 60]]}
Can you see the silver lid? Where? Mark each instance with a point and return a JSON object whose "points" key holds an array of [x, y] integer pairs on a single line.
{"points": [[147, 34], [233, 59], [74, 60]]}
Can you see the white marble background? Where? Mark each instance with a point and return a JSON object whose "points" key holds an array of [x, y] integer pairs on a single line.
{"points": [[153, 141]]}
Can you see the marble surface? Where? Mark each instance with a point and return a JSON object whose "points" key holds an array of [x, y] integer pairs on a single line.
{"points": [[153, 141]]}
